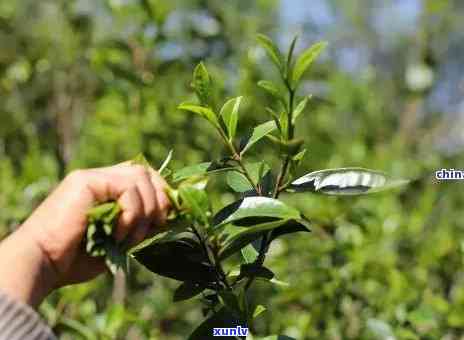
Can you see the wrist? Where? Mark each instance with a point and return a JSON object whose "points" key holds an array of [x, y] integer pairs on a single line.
{"points": [[26, 274]]}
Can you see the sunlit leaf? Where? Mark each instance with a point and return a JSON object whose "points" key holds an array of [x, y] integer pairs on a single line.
{"points": [[202, 84], [259, 132], [300, 108], [249, 253], [204, 112], [272, 50], [305, 60], [196, 202], [239, 182], [85, 331], [199, 170], [275, 117], [346, 181], [245, 236], [192, 170], [290, 56], [105, 212], [273, 90], [242, 237], [256, 206], [300, 155], [229, 114], [258, 311], [165, 164]]}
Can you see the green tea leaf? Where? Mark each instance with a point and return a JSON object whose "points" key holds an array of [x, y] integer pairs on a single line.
{"points": [[238, 181], [84, 331], [256, 206], [246, 235], [272, 50], [202, 84], [165, 164], [305, 60], [276, 118], [195, 202], [258, 311], [229, 114], [200, 169], [204, 112], [187, 290], [105, 212], [182, 260], [190, 171], [240, 238], [259, 132], [290, 56], [345, 181], [300, 155], [273, 90], [249, 253], [300, 108]]}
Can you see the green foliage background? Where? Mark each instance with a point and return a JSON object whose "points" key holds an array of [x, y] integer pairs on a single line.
{"points": [[90, 83]]}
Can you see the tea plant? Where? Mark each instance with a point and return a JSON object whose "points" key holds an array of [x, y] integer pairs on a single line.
{"points": [[198, 242]]}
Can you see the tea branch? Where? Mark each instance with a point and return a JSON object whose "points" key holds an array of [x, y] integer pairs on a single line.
{"points": [[279, 187], [238, 159]]}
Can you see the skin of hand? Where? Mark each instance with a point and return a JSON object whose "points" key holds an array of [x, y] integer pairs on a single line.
{"points": [[46, 251]]}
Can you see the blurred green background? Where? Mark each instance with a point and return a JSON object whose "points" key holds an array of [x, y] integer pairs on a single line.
{"points": [[88, 83]]}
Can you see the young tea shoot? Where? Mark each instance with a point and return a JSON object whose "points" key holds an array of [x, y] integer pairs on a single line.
{"points": [[198, 242]]}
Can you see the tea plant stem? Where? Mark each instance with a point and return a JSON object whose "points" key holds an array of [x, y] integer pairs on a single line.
{"points": [[280, 178], [290, 134], [248, 177], [220, 276], [221, 271], [238, 158]]}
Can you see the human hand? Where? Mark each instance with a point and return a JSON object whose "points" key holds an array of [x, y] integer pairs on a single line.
{"points": [[46, 252]]}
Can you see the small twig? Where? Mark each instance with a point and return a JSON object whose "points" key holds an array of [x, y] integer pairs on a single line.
{"points": [[219, 278], [237, 157]]}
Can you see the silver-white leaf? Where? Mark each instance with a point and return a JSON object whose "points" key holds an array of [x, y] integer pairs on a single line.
{"points": [[345, 181]]}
